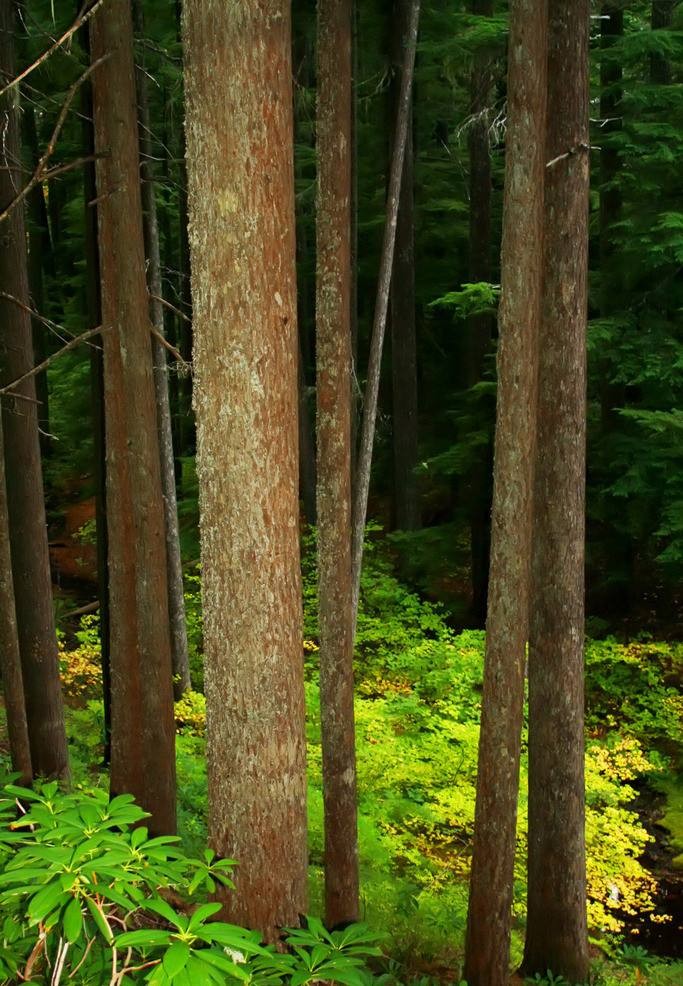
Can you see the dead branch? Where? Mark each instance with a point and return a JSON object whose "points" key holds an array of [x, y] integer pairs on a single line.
{"points": [[76, 341]]}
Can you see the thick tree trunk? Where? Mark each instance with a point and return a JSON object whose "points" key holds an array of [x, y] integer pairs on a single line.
{"points": [[10, 656], [26, 507], [480, 327], [402, 313], [556, 933], [333, 360], [180, 660], [364, 465], [143, 728], [488, 930], [241, 195]]}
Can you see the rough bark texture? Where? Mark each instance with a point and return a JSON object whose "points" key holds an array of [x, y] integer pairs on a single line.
{"points": [[143, 728], [556, 932], [364, 465], [10, 656], [662, 18], [26, 507], [402, 313], [488, 930], [242, 241], [333, 364], [180, 660], [480, 327]]}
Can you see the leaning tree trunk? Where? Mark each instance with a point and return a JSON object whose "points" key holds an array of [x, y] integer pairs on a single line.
{"points": [[143, 729], [180, 660], [367, 439], [556, 933], [26, 507], [488, 928], [241, 195], [333, 361], [402, 312], [10, 655]]}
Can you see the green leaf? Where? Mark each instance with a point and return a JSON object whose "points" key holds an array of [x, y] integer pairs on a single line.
{"points": [[175, 959], [72, 920]]}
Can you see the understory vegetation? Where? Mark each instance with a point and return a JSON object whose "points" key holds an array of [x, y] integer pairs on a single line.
{"points": [[417, 712]]}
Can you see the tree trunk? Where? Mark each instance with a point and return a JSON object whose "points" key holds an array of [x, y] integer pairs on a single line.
{"points": [[402, 313], [94, 318], [480, 327], [556, 933], [180, 660], [488, 930], [333, 360], [24, 479], [364, 465], [143, 728], [662, 18], [241, 199], [10, 656]]}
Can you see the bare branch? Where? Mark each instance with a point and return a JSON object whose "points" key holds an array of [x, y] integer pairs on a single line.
{"points": [[76, 341]]}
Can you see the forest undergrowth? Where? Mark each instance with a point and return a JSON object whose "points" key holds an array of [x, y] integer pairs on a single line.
{"points": [[418, 688]]}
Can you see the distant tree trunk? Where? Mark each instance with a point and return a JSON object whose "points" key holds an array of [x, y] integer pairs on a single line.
{"points": [[39, 254], [556, 932], [180, 660], [241, 198], [662, 18], [364, 465], [480, 327], [143, 728], [187, 439], [488, 929], [333, 359], [307, 470], [24, 479], [402, 312], [94, 317], [10, 656]]}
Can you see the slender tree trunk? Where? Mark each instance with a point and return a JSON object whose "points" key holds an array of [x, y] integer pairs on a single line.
{"points": [[94, 318], [556, 933], [662, 18], [307, 469], [10, 656], [39, 254], [333, 360], [143, 728], [241, 198], [364, 465], [180, 660], [26, 507], [480, 327], [488, 929], [402, 314], [355, 402], [186, 423]]}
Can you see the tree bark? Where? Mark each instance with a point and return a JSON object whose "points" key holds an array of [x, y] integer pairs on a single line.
{"points": [[402, 313], [480, 327], [10, 656], [239, 132], [364, 465], [333, 362], [488, 928], [24, 479], [180, 660], [187, 431], [143, 728], [556, 932]]}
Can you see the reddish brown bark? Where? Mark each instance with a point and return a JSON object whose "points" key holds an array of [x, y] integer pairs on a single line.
{"points": [[241, 200], [10, 656], [143, 729], [24, 480], [488, 930], [556, 934], [333, 362]]}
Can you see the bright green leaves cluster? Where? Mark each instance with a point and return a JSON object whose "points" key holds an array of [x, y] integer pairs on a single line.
{"points": [[83, 894]]}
